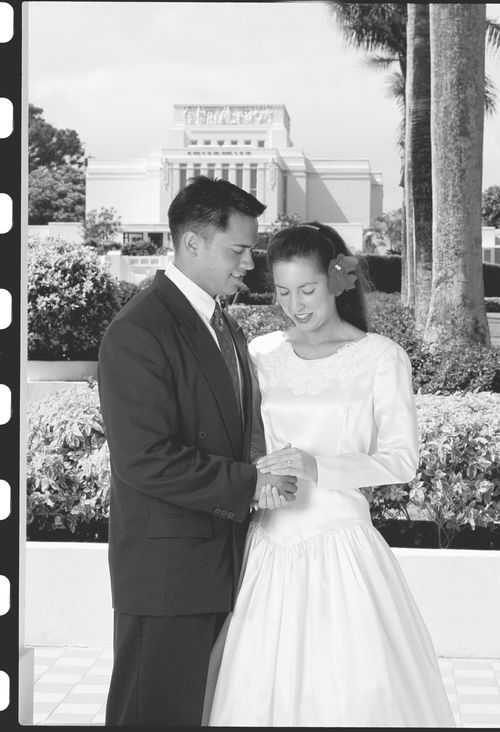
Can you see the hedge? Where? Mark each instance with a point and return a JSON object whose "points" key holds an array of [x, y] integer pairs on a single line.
{"points": [[382, 273], [441, 369], [457, 484]]}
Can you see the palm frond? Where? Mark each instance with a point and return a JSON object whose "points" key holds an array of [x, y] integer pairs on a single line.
{"points": [[381, 62], [493, 36], [372, 26], [395, 88], [490, 95]]}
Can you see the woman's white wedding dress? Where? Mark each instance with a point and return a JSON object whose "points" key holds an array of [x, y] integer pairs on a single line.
{"points": [[325, 631]]}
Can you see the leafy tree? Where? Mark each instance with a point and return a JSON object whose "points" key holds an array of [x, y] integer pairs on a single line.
{"points": [[387, 227], [100, 229], [49, 146], [56, 194], [491, 207]]}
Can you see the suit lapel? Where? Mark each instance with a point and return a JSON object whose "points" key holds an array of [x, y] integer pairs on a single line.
{"points": [[207, 354]]}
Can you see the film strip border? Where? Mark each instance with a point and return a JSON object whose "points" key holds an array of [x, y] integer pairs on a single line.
{"points": [[11, 488]]}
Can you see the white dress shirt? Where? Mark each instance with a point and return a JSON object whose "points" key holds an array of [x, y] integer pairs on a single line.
{"points": [[204, 304]]}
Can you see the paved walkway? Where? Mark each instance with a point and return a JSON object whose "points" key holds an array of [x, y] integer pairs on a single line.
{"points": [[71, 685]]}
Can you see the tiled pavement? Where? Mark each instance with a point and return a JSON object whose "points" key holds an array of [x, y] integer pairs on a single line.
{"points": [[71, 685]]}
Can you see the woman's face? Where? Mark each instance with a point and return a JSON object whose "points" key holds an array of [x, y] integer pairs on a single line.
{"points": [[302, 290]]}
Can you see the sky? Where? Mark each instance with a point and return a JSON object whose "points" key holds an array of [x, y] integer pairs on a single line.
{"points": [[113, 71]]}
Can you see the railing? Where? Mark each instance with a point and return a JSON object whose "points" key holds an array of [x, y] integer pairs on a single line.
{"points": [[134, 269]]}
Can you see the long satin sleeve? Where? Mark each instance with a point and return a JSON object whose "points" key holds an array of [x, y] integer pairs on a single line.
{"points": [[395, 459], [258, 441]]}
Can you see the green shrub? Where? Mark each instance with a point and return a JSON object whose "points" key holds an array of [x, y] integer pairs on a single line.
{"points": [[143, 248], [492, 304], [441, 369], [382, 272], [457, 484], [458, 480], [67, 461], [71, 300], [259, 278], [451, 367], [389, 317], [491, 279], [259, 319], [126, 291], [146, 282]]}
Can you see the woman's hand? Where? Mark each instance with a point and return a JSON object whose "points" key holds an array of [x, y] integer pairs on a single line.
{"points": [[289, 461], [270, 498]]}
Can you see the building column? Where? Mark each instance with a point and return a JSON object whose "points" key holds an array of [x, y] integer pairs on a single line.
{"points": [[246, 177]]}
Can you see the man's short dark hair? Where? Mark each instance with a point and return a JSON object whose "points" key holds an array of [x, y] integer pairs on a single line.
{"points": [[206, 203]]}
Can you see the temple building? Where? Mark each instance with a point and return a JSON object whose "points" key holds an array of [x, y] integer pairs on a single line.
{"points": [[249, 145]]}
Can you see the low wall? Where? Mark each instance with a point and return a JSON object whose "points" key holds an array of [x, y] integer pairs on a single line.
{"points": [[68, 600]]}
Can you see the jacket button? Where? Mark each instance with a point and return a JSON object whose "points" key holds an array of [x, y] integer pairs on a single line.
{"points": [[202, 435], [230, 514], [217, 511]]}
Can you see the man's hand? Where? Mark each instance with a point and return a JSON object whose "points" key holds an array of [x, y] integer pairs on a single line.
{"points": [[273, 491]]}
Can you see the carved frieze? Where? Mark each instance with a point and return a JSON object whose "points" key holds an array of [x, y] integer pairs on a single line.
{"points": [[227, 115]]}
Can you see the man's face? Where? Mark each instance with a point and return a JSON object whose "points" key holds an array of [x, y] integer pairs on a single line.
{"points": [[222, 263]]}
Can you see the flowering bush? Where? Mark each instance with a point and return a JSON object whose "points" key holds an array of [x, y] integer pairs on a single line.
{"points": [[71, 300], [458, 480], [68, 462]]}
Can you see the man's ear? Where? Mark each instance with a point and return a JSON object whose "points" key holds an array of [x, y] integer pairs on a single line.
{"points": [[191, 243]]}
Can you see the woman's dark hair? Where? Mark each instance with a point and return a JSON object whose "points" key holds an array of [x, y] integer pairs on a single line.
{"points": [[313, 239], [206, 204]]}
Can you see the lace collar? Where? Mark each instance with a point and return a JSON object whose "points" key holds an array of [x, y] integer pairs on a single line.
{"points": [[280, 366]]}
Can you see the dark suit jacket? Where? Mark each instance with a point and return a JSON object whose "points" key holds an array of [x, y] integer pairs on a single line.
{"points": [[181, 483]]}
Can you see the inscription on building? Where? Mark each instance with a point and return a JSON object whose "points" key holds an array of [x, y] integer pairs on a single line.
{"points": [[229, 115]]}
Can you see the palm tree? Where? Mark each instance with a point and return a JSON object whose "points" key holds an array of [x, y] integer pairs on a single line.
{"points": [[457, 119], [418, 163], [401, 34]]}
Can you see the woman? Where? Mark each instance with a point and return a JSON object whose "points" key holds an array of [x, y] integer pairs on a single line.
{"points": [[325, 631]]}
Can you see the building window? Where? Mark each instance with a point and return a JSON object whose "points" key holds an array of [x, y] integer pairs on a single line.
{"points": [[284, 193], [196, 170], [260, 143], [247, 142], [193, 142], [220, 143], [253, 179], [234, 142], [182, 174], [207, 142], [239, 175], [211, 171], [225, 171]]}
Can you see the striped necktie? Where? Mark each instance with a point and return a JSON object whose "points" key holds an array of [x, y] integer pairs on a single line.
{"points": [[226, 343]]}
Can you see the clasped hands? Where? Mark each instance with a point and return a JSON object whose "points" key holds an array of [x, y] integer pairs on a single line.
{"points": [[277, 476]]}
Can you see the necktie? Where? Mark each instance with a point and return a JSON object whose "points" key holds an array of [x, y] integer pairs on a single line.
{"points": [[219, 324]]}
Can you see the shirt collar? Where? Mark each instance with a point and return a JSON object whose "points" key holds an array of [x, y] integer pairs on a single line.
{"points": [[202, 302]]}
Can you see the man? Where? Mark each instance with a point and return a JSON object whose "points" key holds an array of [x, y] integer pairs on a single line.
{"points": [[176, 397]]}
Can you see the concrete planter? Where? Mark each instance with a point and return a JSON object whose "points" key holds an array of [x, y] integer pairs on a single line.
{"points": [[494, 325], [61, 370], [45, 377], [68, 599]]}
